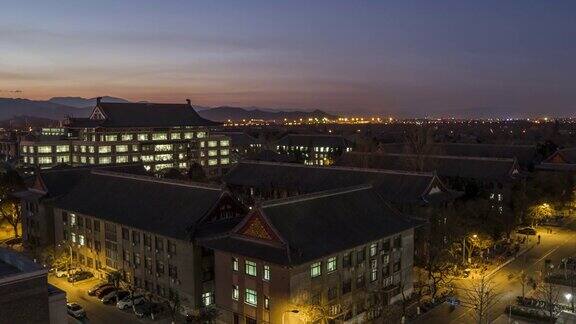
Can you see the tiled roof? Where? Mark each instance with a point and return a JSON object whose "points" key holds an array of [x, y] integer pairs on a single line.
{"points": [[318, 225], [394, 186], [239, 138], [165, 207], [479, 168]]}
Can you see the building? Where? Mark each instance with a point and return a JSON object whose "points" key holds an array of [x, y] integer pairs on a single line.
{"points": [[9, 146], [161, 136], [252, 181], [25, 295], [46, 186], [561, 160], [337, 250], [242, 144], [526, 155], [483, 177], [313, 149]]}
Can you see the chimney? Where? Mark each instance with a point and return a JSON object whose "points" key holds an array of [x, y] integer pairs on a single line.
{"points": [[189, 102], [98, 100]]}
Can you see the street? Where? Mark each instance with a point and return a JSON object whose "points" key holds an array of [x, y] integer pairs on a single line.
{"points": [[554, 246], [96, 311]]}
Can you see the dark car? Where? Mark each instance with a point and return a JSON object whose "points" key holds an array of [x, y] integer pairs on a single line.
{"points": [[92, 291], [83, 275], [114, 296], [104, 291], [527, 231], [146, 309]]}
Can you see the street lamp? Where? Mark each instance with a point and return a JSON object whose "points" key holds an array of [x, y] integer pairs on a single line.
{"points": [[568, 297], [294, 311]]}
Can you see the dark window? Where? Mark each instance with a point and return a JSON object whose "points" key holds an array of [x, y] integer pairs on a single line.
{"points": [[397, 266], [125, 234], [171, 247], [96, 226], [386, 271], [360, 280], [172, 272], [88, 223], [386, 246], [332, 292], [65, 218], [80, 221], [159, 244], [347, 260], [360, 255], [147, 241], [136, 237], [346, 287], [97, 246], [398, 241], [159, 267]]}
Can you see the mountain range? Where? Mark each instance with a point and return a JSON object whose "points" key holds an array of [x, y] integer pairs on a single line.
{"points": [[58, 108]]}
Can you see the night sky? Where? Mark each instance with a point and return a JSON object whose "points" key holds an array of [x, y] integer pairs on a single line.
{"points": [[381, 56]]}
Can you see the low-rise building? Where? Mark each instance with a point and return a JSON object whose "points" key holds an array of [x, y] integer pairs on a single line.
{"points": [[336, 251], [25, 295], [314, 149]]}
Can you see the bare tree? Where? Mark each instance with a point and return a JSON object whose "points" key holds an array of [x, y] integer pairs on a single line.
{"points": [[482, 297], [173, 304], [419, 141], [550, 293], [524, 280]]}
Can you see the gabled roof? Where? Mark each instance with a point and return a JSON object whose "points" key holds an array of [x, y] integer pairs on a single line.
{"points": [[142, 115], [526, 155], [393, 186], [297, 230], [167, 207], [310, 140], [479, 168], [561, 160]]}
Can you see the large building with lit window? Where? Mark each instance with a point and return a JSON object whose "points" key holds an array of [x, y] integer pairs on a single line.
{"points": [[161, 136], [141, 226], [314, 149], [345, 251]]}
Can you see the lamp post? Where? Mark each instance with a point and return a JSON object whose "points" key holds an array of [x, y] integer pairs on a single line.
{"points": [[294, 311]]}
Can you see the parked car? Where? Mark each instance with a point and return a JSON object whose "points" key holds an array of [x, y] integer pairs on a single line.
{"points": [[104, 291], [94, 289], [63, 272], [82, 275], [114, 296], [527, 231], [129, 301], [75, 310], [453, 301]]}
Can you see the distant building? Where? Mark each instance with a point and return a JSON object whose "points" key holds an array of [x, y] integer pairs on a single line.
{"points": [[561, 160], [336, 250], [25, 295], [313, 149], [242, 144], [161, 136]]}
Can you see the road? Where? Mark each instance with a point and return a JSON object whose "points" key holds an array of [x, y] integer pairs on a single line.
{"points": [[554, 246], [97, 313]]}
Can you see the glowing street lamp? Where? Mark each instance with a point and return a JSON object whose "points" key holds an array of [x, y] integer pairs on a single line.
{"points": [[568, 297], [294, 311]]}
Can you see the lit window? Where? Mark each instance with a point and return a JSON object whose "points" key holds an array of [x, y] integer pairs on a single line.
{"points": [[63, 158], [202, 144], [163, 147], [81, 240], [121, 148], [44, 149], [127, 137], [62, 148], [373, 249], [147, 158], [207, 298], [251, 297], [331, 264], [201, 134], [224, 161], [266, 303], [142, 137], [104, 149], [110, 138], [224, 152], [73, 237], [175, 136], [212, 143], [212, 153], [135, 148], [163, 157], [73, 219], [235, 264], [235, 292], [104, 160], [251, 268], [315, 269], [266, 272], [224, 143], [122, 159], [188, 135], [213, 162], [159, 136]]}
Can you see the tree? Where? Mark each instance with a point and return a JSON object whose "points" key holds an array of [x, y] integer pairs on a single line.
{"points": [[550, 293], [174, 174], [173, 303], [203, 315], [196, 172], [482, 297], [419, 139], [11, 213], [524, 280]]}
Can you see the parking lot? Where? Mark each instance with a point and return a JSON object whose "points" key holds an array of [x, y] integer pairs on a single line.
{"points": [[96, 311]]}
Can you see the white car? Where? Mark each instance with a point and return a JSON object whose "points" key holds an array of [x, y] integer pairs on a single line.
{"points": [[127, 301], [63, 272], [75, 310]]}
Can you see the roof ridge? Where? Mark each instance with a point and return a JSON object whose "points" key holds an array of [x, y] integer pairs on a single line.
{"points": [[146, 178], [457, 157], [89, 167], [315, 195], [343, 168]]}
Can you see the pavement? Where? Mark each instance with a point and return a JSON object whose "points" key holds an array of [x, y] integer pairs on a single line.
{"points": [[96, 311], [554, 246]]}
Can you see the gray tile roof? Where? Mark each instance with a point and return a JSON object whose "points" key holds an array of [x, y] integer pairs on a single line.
{"points": [[318, 225], [479, 168], [165, 207], [393, 186], [311, 140]]}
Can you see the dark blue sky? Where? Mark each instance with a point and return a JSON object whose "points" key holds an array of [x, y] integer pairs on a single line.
{"points": [[381, 56]]}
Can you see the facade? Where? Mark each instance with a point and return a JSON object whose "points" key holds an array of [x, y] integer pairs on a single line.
{"points": [[313, 149], [242, 144], [289, 256], [24, 284], [561, 160], [9, 146], [161, 136]]}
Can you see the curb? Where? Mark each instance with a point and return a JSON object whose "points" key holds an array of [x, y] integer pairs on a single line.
{"points": [[520, 253]]}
